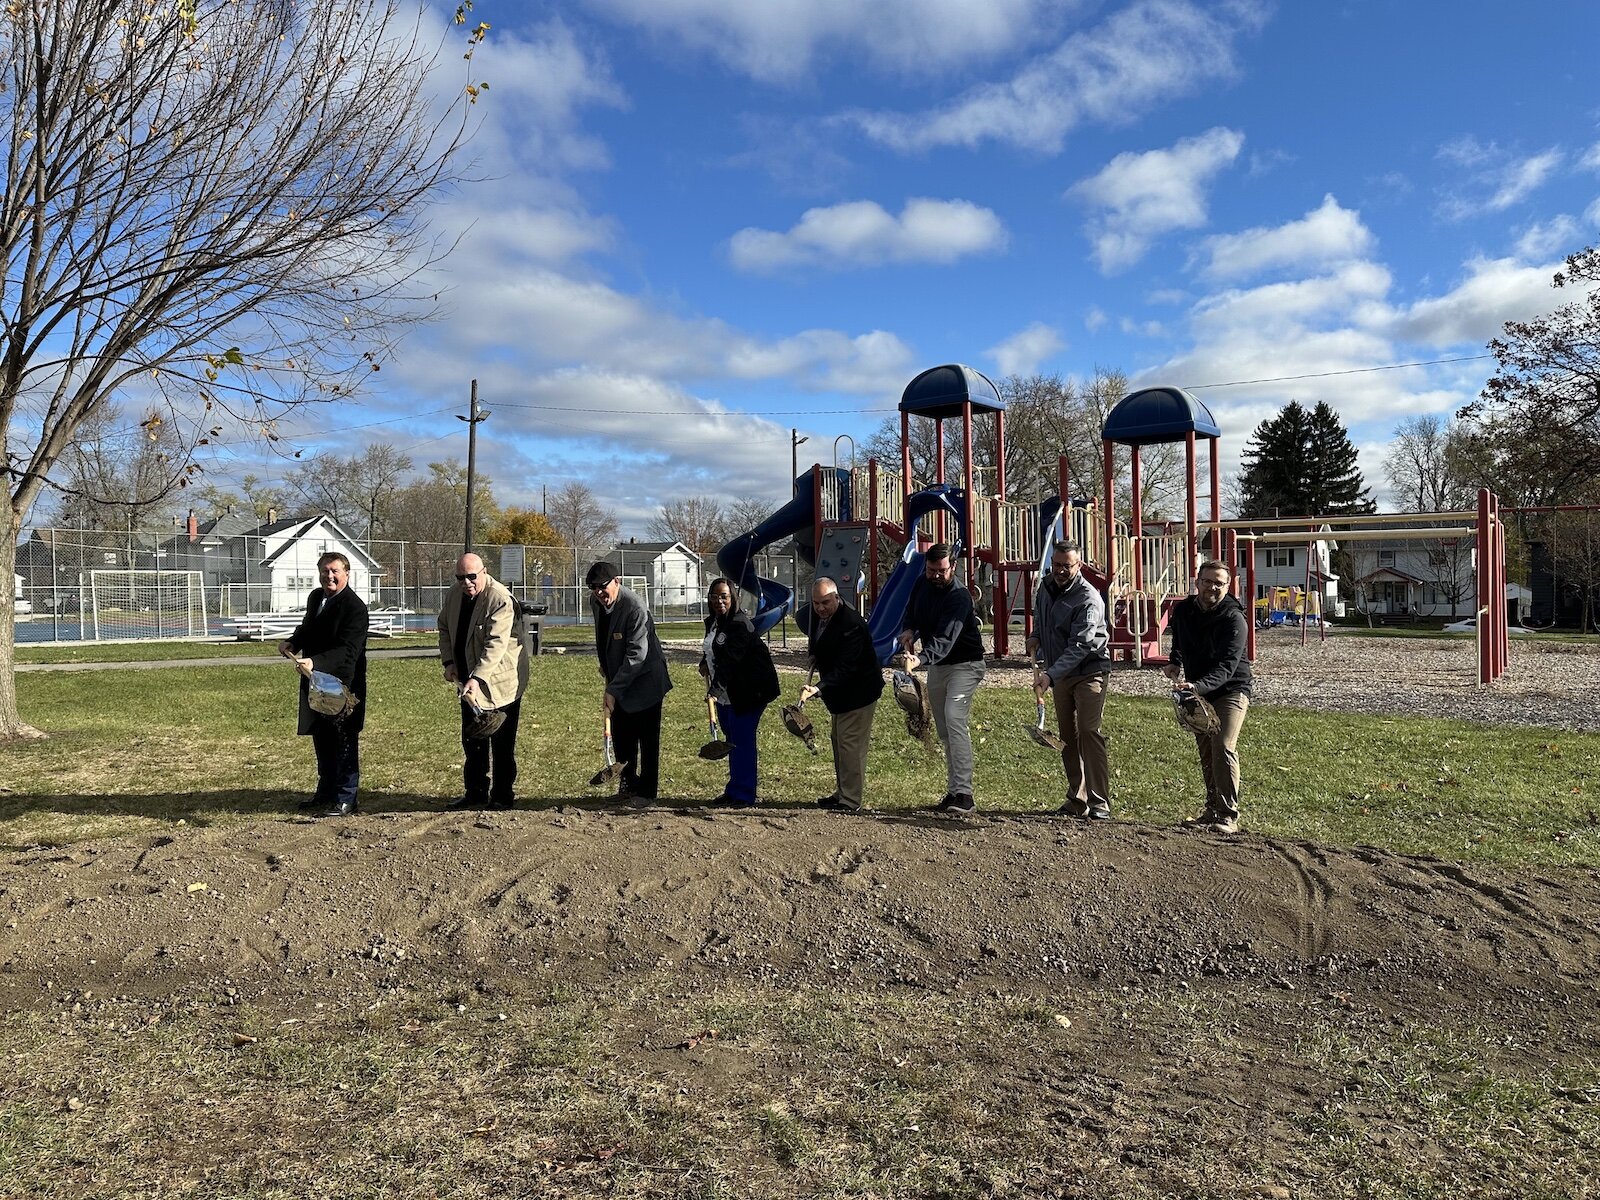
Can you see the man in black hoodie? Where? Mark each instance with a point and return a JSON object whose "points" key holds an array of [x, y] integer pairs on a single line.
{"points": [[1209, 640]]}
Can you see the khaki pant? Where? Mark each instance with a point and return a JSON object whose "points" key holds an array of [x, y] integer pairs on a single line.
{"points": [[1080, 706], [1219, 758], [851, 735]]}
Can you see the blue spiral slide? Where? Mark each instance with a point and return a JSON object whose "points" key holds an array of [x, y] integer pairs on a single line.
{"points": [[775, 600], [736, 560]]}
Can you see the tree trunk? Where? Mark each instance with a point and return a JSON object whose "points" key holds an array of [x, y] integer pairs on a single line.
{"points": [[12, 726]]}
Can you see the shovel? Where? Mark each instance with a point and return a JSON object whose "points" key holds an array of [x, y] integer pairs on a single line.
{"points": [[613, 768], [1041, 735], [717, 747], [796, 721]]}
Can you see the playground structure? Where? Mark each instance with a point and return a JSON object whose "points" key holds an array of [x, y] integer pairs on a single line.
{"points": [[840, 514], [1287, 606]]}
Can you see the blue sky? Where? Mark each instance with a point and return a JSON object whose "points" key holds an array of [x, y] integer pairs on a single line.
{"points": [[702, 222]]}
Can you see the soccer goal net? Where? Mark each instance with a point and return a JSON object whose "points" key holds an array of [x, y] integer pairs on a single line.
{"points": [[147, 604]]}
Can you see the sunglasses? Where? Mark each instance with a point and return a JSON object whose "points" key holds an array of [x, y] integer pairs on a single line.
{"points": [[597, 588], [473, 575]]}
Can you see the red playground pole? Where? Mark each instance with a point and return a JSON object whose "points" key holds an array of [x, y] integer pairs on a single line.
{"points": [[1250, 590]]}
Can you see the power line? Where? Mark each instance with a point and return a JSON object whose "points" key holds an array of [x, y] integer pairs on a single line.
{"points": [[1432, 362]]}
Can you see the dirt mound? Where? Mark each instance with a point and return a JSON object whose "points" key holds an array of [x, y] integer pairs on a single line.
{"points": [[782, 896]]}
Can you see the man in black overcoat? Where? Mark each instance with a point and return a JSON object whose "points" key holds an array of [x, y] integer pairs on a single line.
{"points": [[332, 637]]}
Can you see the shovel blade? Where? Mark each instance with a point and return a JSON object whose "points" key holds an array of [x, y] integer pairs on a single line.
{"points": [[714, 750], [1043, 737]]}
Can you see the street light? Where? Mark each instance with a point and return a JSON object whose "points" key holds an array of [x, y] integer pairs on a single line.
{"points": [[795, 442], [473, 420]]}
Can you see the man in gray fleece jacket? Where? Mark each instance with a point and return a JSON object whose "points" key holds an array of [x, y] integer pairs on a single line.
{"points": [[1070, 644]]}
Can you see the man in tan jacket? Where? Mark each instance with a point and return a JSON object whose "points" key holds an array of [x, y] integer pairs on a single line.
{"points": [[486, 657]]}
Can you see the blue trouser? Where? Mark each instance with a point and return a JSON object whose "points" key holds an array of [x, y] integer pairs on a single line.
{"points": [[338, 761], [740, 730]]}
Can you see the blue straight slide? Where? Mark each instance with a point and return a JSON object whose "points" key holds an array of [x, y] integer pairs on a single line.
{"points": [[890, 609], [736, 560]]}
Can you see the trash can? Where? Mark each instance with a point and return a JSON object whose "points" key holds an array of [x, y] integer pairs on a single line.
{"points": [[532, 623]]}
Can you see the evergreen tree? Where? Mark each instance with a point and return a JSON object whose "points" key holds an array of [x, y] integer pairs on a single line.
{"points": [[1275, 464], [1333, 480], [1302, 463]]}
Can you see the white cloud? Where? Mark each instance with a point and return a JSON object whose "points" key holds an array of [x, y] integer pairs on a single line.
{"points": [[1559, 236], [1338, 337], [779, 41], [1140, 196], [1324, 236], [1591, 215], [1495, 291], [1151, 52], [861, 234], [1497, 181], [549, 319], [1468, 151], [1590, 159], [1523, 177], [541, 81], [1023, 351], [1134, 328], [1095, 319]]}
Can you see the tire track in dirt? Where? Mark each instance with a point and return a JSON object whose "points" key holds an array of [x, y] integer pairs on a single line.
{"points": [[1314, 896]]}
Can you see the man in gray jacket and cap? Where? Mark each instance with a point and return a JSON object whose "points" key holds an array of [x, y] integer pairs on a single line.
{"points": [[1070, 644], [635, 671]]}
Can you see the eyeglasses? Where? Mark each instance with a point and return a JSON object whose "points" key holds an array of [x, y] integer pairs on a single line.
{"points": [[597, 588], [473, 575]]}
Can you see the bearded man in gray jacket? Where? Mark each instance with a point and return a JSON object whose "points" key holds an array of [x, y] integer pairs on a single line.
{"points": [[1070, 644]]}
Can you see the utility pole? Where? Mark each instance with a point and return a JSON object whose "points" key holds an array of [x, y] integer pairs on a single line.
{"points": [[795, 442], [475, 417]]}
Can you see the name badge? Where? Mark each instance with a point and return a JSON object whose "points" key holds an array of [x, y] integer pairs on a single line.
{"points": [[616, 637]]}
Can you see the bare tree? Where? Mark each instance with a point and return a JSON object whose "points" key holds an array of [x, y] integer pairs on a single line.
{"points": [[587, 526], [212, 206], [696, 521], [1429, 465], [747, 512], [358, 491], [261, 499], [114, 472]]}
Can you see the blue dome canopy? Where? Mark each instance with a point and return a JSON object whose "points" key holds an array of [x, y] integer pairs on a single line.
{"points": [[941, 392], [1154, 415]]}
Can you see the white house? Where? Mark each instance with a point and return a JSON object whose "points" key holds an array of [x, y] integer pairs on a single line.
{"points": [[1283, 565], [289, 551], [1432, 578], [669, 572]]}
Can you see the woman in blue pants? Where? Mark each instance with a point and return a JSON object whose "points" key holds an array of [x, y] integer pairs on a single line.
{"points": [[741, 679]]}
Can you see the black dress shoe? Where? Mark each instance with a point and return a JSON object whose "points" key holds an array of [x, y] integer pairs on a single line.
{"points": [[311, 804], [342, 808], [466, 804], [500, 805], [727, 801]]}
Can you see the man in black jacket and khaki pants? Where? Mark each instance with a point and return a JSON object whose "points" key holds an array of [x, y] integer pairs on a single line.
{"points": [[850, 682], [332, 637], [1209, 649]]}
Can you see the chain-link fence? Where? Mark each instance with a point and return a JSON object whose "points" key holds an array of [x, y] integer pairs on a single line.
{"points": [[248, 575]]}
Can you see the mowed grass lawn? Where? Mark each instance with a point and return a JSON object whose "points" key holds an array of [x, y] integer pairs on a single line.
{"points": [[133, 750]]}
